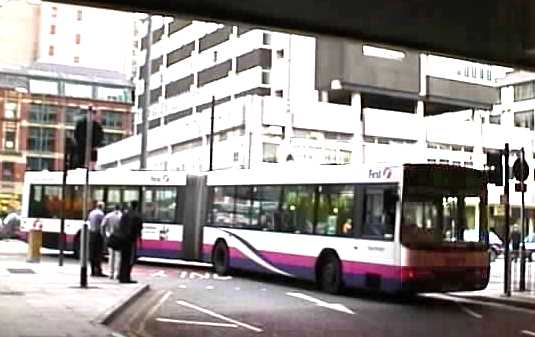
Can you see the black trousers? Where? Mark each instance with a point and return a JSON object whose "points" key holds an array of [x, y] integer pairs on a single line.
{"points": [[95, 252], [125, 267]]}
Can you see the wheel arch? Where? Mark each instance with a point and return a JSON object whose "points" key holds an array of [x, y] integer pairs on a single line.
{"points": [[325, 254]]}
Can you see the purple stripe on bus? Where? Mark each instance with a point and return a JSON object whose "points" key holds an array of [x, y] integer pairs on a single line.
{"points": [[160, 244], [387, 271], [288, 259]]}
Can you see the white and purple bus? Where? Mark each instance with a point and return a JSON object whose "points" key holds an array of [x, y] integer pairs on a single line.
{"points": [[410, 228]]}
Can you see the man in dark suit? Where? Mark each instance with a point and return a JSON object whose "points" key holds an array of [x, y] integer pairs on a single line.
{"points": [[130, 228]]}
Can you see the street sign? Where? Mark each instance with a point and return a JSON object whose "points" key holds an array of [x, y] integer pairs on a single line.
{"points": [[520, 171]]}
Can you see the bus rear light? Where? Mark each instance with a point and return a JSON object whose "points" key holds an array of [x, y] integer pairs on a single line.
{"points": [[411, 274]]}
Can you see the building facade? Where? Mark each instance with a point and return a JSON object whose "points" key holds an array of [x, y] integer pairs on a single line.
{"points": [[39, 106], [46, 32], [282, 98]]}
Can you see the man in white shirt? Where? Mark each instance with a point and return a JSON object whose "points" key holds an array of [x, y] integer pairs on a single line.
{"points": [[110, 225], [95, 239]]}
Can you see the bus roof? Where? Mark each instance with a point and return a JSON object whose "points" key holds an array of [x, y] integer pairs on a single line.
{"points": [[307, 174], [118, 177]]}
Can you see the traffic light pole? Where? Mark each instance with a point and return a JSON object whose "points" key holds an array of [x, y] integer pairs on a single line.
{"points": [[66, 159], [146, 103], [507, 264], [212, 111], [522, 284], [84, 242]]}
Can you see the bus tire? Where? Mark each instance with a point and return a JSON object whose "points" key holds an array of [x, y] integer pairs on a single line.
{"points": [[76, 247], [221, 258], [330, 274]]}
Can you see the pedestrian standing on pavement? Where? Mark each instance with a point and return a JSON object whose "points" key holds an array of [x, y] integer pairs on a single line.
{"points": [[110, 225], [95, 239], [516, 237], [130, 228]]}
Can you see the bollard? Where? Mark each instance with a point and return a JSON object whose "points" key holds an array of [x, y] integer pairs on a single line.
{"points": [[35, 240], [84, 252]]}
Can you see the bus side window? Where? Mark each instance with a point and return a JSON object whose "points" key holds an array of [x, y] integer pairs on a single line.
{"points": [[379, 213], [266, 207]]}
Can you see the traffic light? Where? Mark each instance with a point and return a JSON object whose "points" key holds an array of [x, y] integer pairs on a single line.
{"points": [[495, 168], [78, 153]]}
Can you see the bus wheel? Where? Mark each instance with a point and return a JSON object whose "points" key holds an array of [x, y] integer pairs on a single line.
{"points": [[330, 275], [221, 258]]}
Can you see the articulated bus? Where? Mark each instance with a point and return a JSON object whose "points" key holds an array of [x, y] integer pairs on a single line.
{"points": [[411, 228]]}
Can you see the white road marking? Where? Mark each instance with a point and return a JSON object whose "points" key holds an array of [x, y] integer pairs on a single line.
{"points": [[263, 289], [318, 302], [179, 321], [222, 278], [237, 288], [160, 273], [209, 287], [509, 307], [182, 286], [527, 332], [203, 276], [219, 316], [459, 302], [469, 311]]}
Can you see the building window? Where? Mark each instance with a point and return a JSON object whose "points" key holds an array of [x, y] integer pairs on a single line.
{"points": [[109, 138], [54, 12], [50, 50], [489, 75], [279, 93], [41, 139], [266, 39], [495, 119], [467, 71], [10, 110], [265, 77], [524, 91], [79, 15], [38, 164], [9, 140], [270, 153], [114, 94], [72, 115], [77, 59], [524, 119], [52, 29], [8, 171], [78, 90], [280, 53], [215, 57], [43, 113], [112, 119], [77, 38]]}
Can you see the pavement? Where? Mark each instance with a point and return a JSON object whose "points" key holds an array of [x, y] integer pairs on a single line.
{"points": [[494, 292], [40, 299]]}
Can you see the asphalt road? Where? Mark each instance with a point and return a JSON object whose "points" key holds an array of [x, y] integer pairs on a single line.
{"points": [[191, 302]]}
